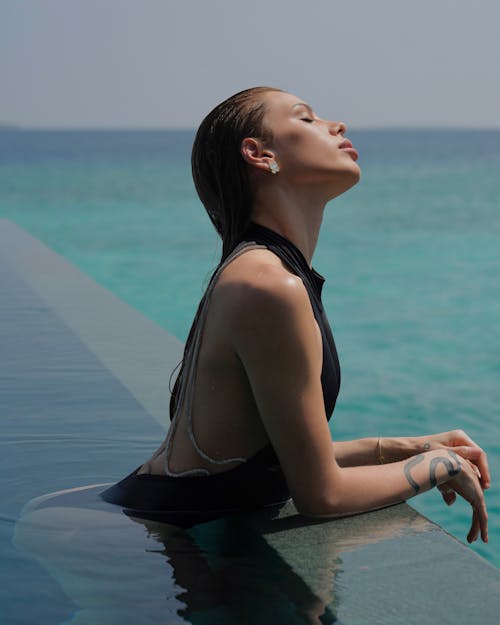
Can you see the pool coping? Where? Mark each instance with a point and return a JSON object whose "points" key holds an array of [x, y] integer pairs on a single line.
{"points": [[414, 567]]}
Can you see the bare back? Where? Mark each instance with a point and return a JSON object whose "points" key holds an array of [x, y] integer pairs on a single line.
{"points": [[224, 416]]}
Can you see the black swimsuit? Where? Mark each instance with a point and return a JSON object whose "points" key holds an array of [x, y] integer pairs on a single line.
{"points": [[259, 481]]}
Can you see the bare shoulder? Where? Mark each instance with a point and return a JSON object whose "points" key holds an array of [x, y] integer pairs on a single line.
{"points": [[257, 283]]}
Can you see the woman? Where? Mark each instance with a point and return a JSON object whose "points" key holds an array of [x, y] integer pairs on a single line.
{"points": [[260, 374]]}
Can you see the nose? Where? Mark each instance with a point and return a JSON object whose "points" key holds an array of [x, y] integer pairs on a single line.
{"points": [[337, 128]]}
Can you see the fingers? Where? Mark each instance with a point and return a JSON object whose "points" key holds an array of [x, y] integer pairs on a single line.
{"points": [[467, 484], [479, 459], [479, 524], [477, 462], [474, 528], [463, 445], [475, 469], [479, 519], [449, 497], [448, 494], [483, 522], [482, 464]]}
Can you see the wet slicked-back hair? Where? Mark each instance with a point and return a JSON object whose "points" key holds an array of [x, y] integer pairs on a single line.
{"points": [[219, 172], [221, 178]]}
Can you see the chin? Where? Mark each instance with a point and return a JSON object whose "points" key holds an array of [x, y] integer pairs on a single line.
{"points": [[346, 180], [355, 173]]}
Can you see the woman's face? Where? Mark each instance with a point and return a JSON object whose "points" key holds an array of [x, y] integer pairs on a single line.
{"points": [[309, 150]]}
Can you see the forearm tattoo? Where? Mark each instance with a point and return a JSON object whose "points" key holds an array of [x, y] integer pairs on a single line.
{"points": [[408, 467], [453, 466], [453, 469]]}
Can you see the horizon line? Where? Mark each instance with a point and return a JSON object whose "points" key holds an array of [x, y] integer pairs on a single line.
{"points": [[14, 127]]}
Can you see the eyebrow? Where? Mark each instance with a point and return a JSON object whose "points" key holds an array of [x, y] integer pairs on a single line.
{"points": [[304, 105]]}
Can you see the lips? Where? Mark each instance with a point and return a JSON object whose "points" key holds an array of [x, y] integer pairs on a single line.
{"points": [[346, 146]]}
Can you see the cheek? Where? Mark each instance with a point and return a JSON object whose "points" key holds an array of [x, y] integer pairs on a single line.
{"points": [[294, 146], [290, 140]]}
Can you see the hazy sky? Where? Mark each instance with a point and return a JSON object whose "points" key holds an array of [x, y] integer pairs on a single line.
{"points": [[165, 63]]}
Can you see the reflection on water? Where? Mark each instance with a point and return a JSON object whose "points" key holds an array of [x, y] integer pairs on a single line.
{"points": [[230, 574], [268, 567]]}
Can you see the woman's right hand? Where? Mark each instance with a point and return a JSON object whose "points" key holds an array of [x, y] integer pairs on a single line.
{"points": [[467, 485], [462, 444]]}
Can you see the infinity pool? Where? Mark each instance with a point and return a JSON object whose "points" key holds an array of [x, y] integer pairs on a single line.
{"points": [[84, 385]]}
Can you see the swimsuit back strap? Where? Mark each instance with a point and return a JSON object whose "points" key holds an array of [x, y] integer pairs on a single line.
{"points": [[188, 379]]}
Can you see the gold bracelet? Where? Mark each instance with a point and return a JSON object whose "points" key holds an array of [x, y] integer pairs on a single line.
{"points": [[379, 450]]}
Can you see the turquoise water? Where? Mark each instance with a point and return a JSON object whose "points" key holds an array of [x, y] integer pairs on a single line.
{"points": [[411, 258]]}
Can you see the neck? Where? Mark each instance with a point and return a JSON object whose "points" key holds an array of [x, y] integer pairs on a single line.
{"points": [[296, 217]]}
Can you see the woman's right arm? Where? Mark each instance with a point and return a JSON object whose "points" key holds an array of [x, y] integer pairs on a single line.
{"points": [[271, 325], [370, 487]]}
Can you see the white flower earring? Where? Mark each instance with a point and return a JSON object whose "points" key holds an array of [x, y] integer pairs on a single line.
{"points": [[274, 167]]}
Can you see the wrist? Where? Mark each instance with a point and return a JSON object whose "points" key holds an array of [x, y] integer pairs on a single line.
{"points": [[393, 449]]}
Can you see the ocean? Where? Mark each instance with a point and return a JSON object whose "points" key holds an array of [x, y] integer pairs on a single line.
{"points": [[411, 257]]}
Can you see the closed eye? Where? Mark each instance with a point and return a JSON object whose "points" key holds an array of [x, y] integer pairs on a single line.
{"points": [[309, 120]]}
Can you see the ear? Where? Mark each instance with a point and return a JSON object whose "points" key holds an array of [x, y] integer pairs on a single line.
{"points": [[255, 154]]}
